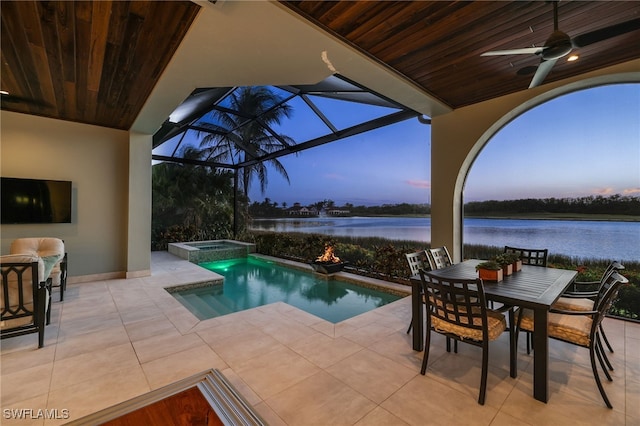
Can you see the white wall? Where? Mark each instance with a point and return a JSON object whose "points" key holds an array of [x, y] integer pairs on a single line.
{"points": [[96, 160]]}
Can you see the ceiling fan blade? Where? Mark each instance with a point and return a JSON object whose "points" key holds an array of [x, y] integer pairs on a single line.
{"points": [[523, 51], [605, 33], [541, 72]]}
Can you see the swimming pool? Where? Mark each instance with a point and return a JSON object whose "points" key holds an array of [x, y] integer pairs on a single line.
{"points": [[251, 282]]}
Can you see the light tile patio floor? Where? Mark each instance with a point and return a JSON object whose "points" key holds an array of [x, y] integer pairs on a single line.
{"points": [[110, 341]]}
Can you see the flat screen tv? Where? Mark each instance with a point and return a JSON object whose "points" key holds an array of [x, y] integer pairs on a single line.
{"points": [[35, 201]]}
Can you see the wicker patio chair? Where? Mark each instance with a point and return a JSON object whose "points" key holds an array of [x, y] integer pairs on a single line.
{"points": [[457, 309], [581, 328]]}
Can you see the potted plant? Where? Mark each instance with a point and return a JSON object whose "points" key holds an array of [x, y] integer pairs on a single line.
{"points": [[514, 259], [505, 261], [489, 270]]}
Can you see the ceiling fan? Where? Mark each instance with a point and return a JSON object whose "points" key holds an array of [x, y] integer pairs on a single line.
{"points": [[559, 44]]}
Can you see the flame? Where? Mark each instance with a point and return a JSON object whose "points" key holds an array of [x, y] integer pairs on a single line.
{"points": [[328, 256]]}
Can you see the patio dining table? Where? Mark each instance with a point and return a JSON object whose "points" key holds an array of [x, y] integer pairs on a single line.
{"points": [[534, 287]]}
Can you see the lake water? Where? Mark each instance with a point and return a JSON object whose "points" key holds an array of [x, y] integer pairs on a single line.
{"points": [[584, 239]]}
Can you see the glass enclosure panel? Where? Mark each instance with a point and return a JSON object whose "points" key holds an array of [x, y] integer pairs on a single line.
{"points": [[304, 124], [347, 114]]}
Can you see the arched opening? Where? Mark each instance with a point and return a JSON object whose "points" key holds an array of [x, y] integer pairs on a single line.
{"points": [[578, 145]]}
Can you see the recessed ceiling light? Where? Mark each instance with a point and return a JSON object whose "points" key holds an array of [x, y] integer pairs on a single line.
{"points": [[572, 58], [3, 92]]}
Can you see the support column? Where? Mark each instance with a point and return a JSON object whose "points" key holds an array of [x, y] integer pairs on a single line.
{"points": [[139, 211]]}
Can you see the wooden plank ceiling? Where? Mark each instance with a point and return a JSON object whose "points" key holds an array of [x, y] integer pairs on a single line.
{"points": [[97, 61], [437, 44], [92, 62]]}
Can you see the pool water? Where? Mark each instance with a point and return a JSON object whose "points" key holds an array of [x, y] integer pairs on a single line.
{"points": [[249, 283]]}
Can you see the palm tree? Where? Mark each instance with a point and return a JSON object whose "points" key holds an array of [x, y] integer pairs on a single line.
{"points": [[240, 137]]}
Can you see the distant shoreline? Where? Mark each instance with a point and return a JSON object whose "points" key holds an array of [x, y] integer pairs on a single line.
{"points": [[567, 216], [505, 216]]}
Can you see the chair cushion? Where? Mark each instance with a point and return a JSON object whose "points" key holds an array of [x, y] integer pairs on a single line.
{"points": [[496, 324], [573, 304], [51, 250], [43, 246], [571, 328]]}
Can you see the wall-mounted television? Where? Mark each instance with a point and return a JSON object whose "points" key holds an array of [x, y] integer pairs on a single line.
{"points": [[35, 201]]}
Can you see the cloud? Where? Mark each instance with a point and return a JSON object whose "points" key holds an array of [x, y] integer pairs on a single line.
{"points": [[611, 191], [419, 183], [604, 191]]}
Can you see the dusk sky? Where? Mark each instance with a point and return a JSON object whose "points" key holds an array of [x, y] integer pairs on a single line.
{"points": [[580, 144]]}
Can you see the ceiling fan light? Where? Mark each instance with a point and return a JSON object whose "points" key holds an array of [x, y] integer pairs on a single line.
{"points": [[573, 57]]}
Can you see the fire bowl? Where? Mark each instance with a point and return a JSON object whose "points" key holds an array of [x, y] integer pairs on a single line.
{"points": [[327, 267]]}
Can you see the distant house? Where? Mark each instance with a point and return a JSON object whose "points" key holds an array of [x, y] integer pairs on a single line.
{"points": [[299, 210]]}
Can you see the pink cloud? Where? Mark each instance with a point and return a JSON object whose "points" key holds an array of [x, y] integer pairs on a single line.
{"points": [[631, 191], [603, 191], [419, 183], [612, 191]]}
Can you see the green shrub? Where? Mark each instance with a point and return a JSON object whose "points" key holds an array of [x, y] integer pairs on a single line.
{"points": [[383, 258]]}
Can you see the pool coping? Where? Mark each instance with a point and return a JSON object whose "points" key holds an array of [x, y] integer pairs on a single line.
{"points": [[395, 289], [177, 272]]}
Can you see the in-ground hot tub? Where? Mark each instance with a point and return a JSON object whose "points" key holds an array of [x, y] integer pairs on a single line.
{"points": [[209, 251]]}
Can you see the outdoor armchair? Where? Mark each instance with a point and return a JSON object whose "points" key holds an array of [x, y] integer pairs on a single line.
{"points": [[416, 261], [439, 258], [24, 295], [535, 257], [589, 289], [581, 328], [587, 300], [53, 254], [457, 309]]}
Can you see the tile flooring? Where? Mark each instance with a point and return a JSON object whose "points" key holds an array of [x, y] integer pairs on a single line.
{"points": [[110, 341]]}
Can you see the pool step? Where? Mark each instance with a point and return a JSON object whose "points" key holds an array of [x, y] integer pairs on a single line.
{"points": [[205, 306]]}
